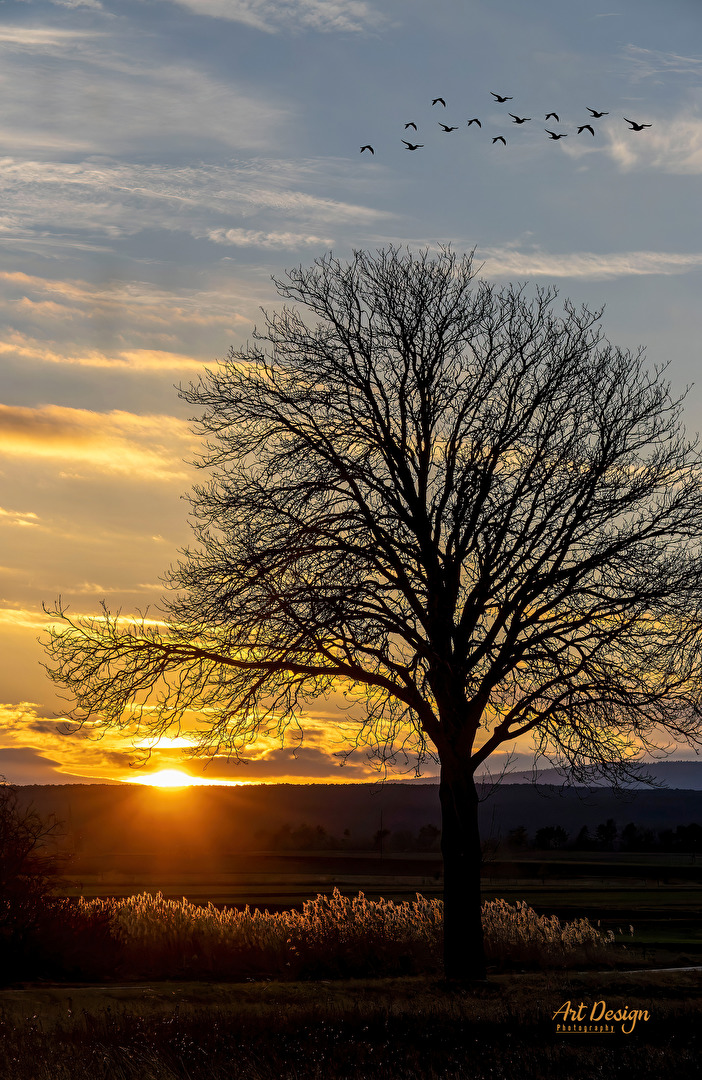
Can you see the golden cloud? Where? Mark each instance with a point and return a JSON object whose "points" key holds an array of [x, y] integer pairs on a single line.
{"points": [[145, 448], [125, 360]]}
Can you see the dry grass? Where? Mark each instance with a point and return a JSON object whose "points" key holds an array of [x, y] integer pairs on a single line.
{"points": [[333, 936]]}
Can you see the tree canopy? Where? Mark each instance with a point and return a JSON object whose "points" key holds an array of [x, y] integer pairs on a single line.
{"points": [[438, 485]]}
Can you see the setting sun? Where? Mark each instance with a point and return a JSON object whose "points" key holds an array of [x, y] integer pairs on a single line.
{"points": [[172, 778]]}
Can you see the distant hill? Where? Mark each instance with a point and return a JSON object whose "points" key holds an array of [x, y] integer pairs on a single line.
{"points": [[137, 819], [685, 775]]}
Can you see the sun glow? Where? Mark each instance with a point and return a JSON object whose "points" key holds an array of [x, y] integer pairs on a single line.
{"points": [[176, 778], [170, 778]]}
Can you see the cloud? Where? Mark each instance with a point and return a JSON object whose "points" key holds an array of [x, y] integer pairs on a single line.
{"points": [[508, 262], [100, 97], [51, 750], [124, 326], [254, 238], [20, 345], [649, 63], [325, 16], [52, 205], [23, 619], [16, 517], [671, 145], [25, 765], [43, 38], [94, 5], [146, 448]]}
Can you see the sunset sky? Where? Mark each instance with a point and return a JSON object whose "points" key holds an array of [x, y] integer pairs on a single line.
{"points": [[160, 160]]}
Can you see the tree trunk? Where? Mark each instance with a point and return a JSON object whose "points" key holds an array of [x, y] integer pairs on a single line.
{"points": [[464, 954]]}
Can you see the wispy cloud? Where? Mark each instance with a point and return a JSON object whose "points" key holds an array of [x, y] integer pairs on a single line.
{"points": [[42, 38], [145, 448], [62, 204], [259, 238], [508, 262], [93, 5], [17, 517], [326, 16], [115, 299], [20, 345], [110, 100], [650, 63]]}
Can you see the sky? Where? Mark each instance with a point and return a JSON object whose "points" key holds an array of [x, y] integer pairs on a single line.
{"points": [[159, 161]]}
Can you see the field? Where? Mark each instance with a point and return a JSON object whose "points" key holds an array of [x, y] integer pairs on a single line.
{"points": [[385, 1029], [402, 1028], [661, 896]]}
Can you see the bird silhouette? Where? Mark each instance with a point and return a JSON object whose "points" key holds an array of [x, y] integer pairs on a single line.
{"points": [[367, 147], [475, 121], [554, 115], [411, 124], [412, 146], [518, 119], [554, 136], [586, 127], [439, 99], [498, 98], [446, 127], [499, 138], [595, 113], [635, 126]]}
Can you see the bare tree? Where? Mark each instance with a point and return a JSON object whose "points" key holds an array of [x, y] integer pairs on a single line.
{"points": [[29, 861], [472, 512]]}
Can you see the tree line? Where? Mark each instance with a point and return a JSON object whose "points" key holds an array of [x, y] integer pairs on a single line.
{"points": [[608, 837], [306, 837]]}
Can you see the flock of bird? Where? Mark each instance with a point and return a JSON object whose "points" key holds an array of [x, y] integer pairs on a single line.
{"points": [[595, 114]]}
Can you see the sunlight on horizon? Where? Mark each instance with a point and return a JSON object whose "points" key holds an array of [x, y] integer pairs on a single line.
{"points": [[176, 778]]}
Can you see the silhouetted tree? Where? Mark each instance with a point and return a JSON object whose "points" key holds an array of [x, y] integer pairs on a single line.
{"points": [[606, 834], [470, 511], [583, 841], [550, 837], [29, 863], [428, 838], [631, 838], [518, 838], [689, 837], [379, 840]]}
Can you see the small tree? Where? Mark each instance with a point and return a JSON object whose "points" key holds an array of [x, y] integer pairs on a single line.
{"points": [[606, 834], [471, 512], [550, 837], [29, 862]]}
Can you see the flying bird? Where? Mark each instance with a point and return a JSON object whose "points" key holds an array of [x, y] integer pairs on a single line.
{"points": [[500, 138], [411, 124], [446, 127], [518, 119], [586, 127], [635, 126], [475, 121], [498, 98], [554, 115], [554, 136], [439, 99], [412, 146], [595, 113], [367, 147]]}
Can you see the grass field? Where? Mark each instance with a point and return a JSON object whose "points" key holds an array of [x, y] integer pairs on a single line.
{"points": [[411, 1028], [385, 1029], [664, 915]]}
